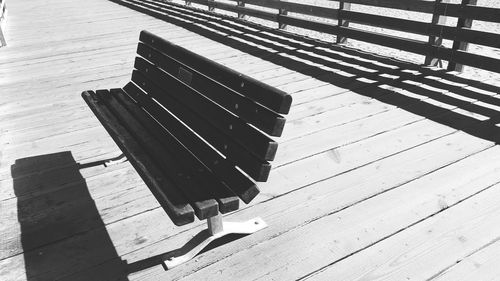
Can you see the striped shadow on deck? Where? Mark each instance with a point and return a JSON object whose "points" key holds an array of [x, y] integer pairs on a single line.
{"points": [[435, 94], [353, 178]]}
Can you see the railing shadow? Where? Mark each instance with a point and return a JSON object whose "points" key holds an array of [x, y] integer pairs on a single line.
{"points": [[438, 95], [62, 231]]}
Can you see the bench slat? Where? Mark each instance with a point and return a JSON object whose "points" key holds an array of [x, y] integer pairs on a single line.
{"points": [[175, 205], [202, 202], [239, 183], [256, 168], [227, 200], [250, 111], [251, 139], [262, 93]]}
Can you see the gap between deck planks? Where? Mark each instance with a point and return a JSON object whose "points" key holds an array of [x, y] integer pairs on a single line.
{"points": [[361, 147], [324, 200], [126, 248], [423, 250], [480, 265]]}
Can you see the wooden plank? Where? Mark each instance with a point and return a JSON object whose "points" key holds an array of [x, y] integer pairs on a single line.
{"points": [[424, 249], [398, 42], [239, 10], [45, 178], [341, 234], [245, 108], [250, 138], [243, 186], [184, 183], [332, 196], [55, 144], [48, 130], [460, 45], [79, 256], [332, 162], [440, 20], [471, 12], [409, 5], [343, 131], [177, 208], [260, 92], [293, 7], [225, 39], [282, 11], [206, 184], [70, 209], [482, 265], [313, 123], [118, 230], [258, 169]]}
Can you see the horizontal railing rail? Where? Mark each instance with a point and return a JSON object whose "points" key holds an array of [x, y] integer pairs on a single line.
{"points": [[460, 34]]}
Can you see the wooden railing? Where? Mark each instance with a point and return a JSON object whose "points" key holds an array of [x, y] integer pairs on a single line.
{"points": [[460, 34]]}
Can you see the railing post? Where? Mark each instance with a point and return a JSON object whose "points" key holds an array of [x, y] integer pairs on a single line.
{"points": [[240, 4], [281, 12], [343, 6], [211, 8], [437, 19], [460, 45]]}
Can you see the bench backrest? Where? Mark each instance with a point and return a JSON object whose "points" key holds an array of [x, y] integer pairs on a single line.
{"points": [[225, 119]]}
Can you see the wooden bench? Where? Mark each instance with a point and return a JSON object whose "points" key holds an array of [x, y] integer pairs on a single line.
{"points": [[198, 134]]}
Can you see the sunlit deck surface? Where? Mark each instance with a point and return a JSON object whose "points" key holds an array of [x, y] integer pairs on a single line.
{"points": [[369, 182]]}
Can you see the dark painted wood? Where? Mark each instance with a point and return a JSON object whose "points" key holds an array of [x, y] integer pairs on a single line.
{"points": [[202, 203], [344, 7], [250, 111], [264, 94], [236, 129], [256, 168], [175, 205], [204, 179], [191, 133], [241, 185], [409, 5]]}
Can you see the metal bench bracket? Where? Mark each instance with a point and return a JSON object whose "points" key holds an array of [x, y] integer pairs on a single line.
{"points": [[216, 229], [116, 160]]}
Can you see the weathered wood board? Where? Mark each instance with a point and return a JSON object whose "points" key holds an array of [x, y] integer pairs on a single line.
{"points": [[381, 172]]}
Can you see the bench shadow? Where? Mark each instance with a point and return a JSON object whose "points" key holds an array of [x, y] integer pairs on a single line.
{"points": [[187, 247], [458, 102], [62, 232]]}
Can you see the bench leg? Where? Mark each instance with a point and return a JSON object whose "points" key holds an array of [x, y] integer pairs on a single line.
{"points": [[115, 160], [106, 162], [216, 229]]}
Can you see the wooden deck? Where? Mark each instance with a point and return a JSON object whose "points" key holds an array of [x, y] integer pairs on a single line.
{"points": [[379, 178]]}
